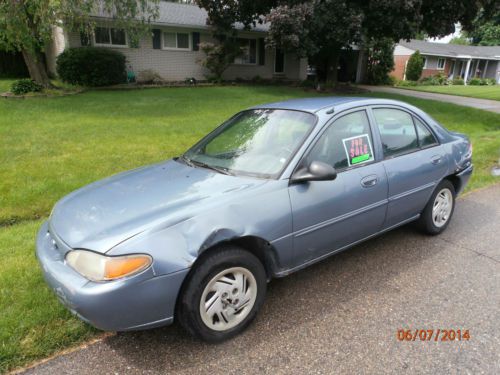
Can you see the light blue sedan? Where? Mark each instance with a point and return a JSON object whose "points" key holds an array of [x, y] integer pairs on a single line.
{"points": [[272, 190]]}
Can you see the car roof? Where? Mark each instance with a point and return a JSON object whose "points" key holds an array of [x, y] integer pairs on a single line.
{"points": [[313, 104]]}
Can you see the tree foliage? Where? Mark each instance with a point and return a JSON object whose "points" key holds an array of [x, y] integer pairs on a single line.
{"points": [[27, 25], [380, 61], [414, 67], [218, 57], [320, 29], [485, 29]]}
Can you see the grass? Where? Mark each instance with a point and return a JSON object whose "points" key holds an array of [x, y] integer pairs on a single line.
{"points": [[5, 84], [481, 92], [51, 146], [32, 323]]}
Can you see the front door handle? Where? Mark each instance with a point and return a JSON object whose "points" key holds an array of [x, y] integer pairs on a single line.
{"points": [[369, 181], [436, 159]]}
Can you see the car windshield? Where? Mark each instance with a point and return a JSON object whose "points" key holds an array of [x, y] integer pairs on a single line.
{"points": [[257, 142]]}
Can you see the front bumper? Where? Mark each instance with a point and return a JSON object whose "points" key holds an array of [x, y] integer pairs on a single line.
{"points": [[138, 302]]}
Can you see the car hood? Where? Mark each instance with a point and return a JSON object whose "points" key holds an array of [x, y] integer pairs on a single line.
{"points": [[103, 214]]}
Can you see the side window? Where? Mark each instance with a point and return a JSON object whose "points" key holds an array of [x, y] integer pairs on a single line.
{"points": [[346, 142], [397, 131], [425, 137]]}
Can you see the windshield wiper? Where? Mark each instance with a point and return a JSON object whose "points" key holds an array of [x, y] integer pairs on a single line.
{"points": [[193, 163], [212, 167], [186, 160]]}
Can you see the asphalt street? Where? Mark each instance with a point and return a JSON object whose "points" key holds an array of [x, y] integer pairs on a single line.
{"points": [[341, 316]]}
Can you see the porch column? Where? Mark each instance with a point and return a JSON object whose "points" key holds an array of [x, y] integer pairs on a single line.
{"points": [[485, 68], [467, 68]]}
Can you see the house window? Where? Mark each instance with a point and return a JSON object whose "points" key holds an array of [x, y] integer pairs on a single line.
{"points": [[441, 63], [109, 36], [425, 62], [176, 41], [249, 52]]}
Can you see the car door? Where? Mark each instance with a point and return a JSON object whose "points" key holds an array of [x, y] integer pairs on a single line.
{"points": [[329, 215], [413, 160]]}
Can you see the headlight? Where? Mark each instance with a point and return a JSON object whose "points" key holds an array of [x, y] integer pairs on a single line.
{"points": [[98, 267]]}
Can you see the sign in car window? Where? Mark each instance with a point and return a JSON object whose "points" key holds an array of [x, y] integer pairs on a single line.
{"points": [[358, 149]]}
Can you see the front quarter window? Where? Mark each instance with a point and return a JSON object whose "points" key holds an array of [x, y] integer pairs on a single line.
{"points": [[256, 142]]}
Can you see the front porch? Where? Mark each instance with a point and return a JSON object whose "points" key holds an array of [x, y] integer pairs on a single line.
{"points": [[466, 67]]}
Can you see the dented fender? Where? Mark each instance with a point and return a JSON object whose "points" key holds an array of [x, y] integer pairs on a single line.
{"points": [[178, 246]]}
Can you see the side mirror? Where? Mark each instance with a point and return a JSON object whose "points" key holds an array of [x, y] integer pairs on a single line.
{"points": [[316, 171]]}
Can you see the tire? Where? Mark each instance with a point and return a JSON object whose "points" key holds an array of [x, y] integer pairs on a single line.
{"points": [[232, 284], [435, 223]]}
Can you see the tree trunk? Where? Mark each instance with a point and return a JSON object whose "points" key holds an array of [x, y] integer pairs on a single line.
{"points": [[332, 65], [36, 67]]}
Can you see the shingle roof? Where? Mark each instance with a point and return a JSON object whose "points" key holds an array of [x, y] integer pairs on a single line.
{"points": [[451, 50], [185, 15]]}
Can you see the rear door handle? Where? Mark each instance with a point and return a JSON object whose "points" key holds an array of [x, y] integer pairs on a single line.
{"points": [[369, 181], [436, 159]]}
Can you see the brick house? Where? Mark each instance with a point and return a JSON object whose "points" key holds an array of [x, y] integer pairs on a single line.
{"points": [[451, 59], [172, 50]]}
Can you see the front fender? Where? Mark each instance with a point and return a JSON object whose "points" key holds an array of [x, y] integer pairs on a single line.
{"points": [[266, 216]]}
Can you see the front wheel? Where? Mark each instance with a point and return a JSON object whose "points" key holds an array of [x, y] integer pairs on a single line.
{"points": [[439, 210], [223, 294]]}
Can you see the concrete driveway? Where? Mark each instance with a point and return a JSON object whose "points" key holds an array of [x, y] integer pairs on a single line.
{"points": [[342, 315], [484, 104]]}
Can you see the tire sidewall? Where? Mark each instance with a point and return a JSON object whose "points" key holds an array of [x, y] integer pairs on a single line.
{"points": [[428, 222], [190, 316]]}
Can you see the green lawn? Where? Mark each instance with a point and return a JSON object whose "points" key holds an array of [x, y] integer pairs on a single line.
{"points": [[5, 84], [482, 92], [51, 146]]}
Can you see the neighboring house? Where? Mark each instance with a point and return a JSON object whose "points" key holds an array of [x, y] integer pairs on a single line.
{"points": [[172, 50], [451, 59]]}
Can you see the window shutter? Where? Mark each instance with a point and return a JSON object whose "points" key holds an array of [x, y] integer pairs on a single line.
{"points": [[196, 41], [84, 39], [262, 52], [156, 39]]}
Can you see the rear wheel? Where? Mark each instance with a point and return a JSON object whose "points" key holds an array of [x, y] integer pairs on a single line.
{"points": [[439, 210], [223, 294]]}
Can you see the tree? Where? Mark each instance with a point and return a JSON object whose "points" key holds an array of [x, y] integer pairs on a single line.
{"points": [[218, 57], [27, 25], [414, 67], [321, 29], [462, 40], [380, 60], [485, 30]]}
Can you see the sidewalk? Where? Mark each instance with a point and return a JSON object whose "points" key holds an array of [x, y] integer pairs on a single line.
{"points": [[484, 104]]}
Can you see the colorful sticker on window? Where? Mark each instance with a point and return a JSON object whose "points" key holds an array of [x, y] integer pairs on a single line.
{"points": [[358, 149]]}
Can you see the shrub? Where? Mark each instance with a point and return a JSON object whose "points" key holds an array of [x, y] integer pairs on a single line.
{"points": [[91, 66], [148, 77], [414, 67], [477, 82], [308, 83], [380, 61], [438, 79], [406, 83], [24, 86], [491, 81], [218, 57], [391, 80], [457, 81]]}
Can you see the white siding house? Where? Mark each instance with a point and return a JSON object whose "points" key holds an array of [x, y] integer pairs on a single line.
{"points": [[172, 48]]}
